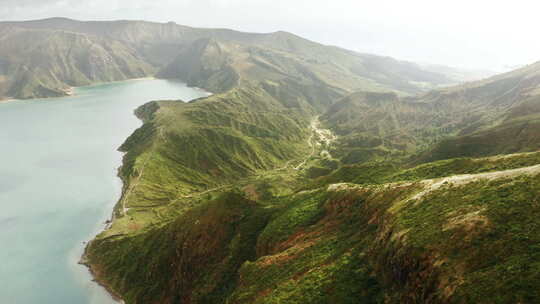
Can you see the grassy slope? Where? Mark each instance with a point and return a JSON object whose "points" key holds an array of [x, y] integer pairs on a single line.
{"points": [[42, 58], [223, 140], [388, 172], [44, 63], [382, 125], [518, 130], [499, 115], [462, 243], [240, 244], [213, 210], [218, 65], [190, 260], [337, 245], [188, 148]]}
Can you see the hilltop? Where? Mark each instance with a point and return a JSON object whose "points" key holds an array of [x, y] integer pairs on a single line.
{"points": [[44, 58], [498, 115], [287, 188], [314, 174]]}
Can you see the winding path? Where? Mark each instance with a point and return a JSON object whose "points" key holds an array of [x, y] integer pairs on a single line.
{"points": [[323, 136], [318, 136], [435, 184]]}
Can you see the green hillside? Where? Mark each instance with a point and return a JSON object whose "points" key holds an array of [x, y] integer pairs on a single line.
{"points": [[41, 63], [344, 242], [44, 58], [313, 174], [498, 115], [245, 197]]}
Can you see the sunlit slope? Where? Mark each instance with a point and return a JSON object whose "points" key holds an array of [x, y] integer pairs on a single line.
{"points": [[229, 199], [310, 178], [376, 172], [494, 116], [43, 58], [505, 115], [186, 147], [218, 65], [41, 63], [464, 238], [517, 129]]}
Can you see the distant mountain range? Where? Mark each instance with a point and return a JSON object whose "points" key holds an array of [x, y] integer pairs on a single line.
{"points": [[460, 75], [313, 174], [487, 117], [44, 58]]}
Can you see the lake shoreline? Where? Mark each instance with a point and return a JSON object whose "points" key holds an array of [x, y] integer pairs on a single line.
{"points": [[71, 91], [85, 260], [96, 278], [83, 186], [8, 100]]}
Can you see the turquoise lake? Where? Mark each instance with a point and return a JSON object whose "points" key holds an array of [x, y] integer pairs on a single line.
{"points": [[58, 185]]}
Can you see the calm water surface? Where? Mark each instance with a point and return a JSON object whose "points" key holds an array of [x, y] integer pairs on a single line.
{"points": [[58, 185]]}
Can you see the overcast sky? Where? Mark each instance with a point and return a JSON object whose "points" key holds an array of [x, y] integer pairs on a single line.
{"points": [[477, 34]]}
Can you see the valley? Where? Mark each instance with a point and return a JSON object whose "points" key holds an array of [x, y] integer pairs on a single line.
{"points": [[44, 58], [312, 174], [288, 234]]}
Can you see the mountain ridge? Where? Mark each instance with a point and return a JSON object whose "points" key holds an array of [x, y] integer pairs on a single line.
{"points": [[363, 217], [313, 174], [156, 45]]}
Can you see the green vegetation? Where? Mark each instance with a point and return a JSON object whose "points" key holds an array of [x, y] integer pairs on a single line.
{"points": [[258, 240], [223, 140], [499, 115], [246, 197], [467, 166], [44, 58], [41, 63], [510, 137], [192, 259], [389, 172], [496, 223]]}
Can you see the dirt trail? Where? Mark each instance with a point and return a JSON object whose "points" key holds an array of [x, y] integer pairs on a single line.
{"points": [[134, 184], [318, 137], [431, 185], [325, 139], [124, 208], [435, 184], [196, 194], [310, 143]]}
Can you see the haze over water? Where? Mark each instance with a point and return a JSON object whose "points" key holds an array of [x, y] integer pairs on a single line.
{"points": [[58, 185]]}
